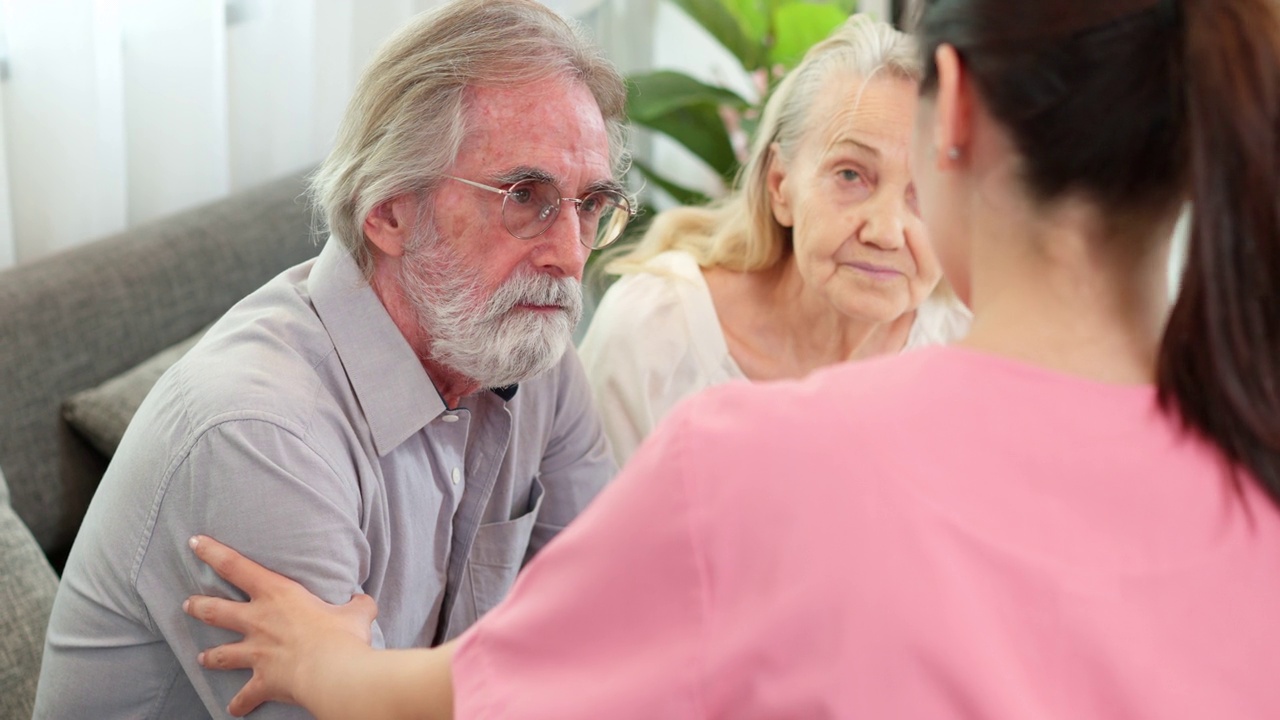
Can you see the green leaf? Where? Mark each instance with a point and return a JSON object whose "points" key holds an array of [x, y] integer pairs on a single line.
{"points": [[730, 31], [653, 94], [682, 194], [799, 26], [699, 129], [749, 125], [751, 17], [689, 112]]}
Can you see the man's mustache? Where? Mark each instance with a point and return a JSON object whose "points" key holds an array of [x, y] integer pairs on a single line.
{"points": [[544, 290]]}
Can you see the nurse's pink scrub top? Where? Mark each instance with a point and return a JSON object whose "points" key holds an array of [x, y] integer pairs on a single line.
{"points": [[945, 534]]}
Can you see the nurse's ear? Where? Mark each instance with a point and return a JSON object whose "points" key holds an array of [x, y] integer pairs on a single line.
{"points": [[953, 108]]}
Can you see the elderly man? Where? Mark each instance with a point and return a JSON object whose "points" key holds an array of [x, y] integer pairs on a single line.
{"points": [[398, 417]]}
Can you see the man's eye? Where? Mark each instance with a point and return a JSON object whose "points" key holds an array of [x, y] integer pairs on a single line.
{"points": [[521, 195], [591, 205]]}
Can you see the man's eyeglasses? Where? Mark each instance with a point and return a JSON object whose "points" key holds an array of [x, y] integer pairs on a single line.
{"points": [[531, 205]]}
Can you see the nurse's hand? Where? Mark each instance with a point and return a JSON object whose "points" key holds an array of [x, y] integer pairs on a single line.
{"points": [[292, 639]]}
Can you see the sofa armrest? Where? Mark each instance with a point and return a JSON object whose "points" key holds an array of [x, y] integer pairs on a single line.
{"points": [[26, 597]]}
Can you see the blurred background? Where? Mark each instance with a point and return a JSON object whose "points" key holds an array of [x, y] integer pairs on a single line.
{"points": [[117, 112]]}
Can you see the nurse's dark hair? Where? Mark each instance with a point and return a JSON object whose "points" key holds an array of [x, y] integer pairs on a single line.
{"points": [[1140, 106]]}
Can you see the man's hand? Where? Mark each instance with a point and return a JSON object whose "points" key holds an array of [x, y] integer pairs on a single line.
{"points": [[292, 640]]}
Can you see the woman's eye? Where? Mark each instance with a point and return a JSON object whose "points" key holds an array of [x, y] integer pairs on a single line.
{"points": [[850, 175]]}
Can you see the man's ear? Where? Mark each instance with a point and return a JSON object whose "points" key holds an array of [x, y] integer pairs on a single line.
{"points": [[953, 116], [775, 178], [389, 225]]}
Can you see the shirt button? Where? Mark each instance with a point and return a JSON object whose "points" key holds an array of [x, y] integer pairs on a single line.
{"points": [[449, 418], [457, 476]]}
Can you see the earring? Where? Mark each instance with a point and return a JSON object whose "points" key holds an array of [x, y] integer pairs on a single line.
{"points": [[953, 153]]}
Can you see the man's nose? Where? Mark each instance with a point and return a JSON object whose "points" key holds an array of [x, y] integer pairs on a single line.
{"points": [[560, 250]]}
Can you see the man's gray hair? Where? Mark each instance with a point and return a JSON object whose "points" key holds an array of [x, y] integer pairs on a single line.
{"points": [[407, 118]]}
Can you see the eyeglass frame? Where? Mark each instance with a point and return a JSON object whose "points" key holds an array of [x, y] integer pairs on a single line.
{"points": [[577, 205]]}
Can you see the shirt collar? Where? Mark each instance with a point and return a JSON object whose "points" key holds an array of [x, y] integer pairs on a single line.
{"points": [[396, 395]]}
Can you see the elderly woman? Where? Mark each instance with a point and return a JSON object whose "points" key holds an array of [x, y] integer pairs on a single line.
{"points": [[818, 257]]}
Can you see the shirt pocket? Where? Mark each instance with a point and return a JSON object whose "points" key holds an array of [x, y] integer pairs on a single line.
{"points": [[496, 557]]}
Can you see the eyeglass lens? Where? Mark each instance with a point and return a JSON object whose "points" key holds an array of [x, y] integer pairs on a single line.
{"points": [[531, 206]]}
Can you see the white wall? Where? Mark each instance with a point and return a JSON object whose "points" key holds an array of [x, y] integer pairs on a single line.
{"points": [[117, 112]]}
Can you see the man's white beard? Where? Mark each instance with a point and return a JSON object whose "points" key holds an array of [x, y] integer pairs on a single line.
{"points": [[488, 340]]}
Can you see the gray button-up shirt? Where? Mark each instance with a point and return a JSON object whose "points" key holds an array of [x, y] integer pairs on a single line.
{"points": [[303, 431]]}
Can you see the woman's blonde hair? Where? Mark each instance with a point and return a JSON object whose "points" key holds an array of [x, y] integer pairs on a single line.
{"points": [[739, 232]]}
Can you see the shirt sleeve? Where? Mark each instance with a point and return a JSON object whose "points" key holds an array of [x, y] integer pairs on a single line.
{"points": [[264, 491], [598, 621], [577, 463]]}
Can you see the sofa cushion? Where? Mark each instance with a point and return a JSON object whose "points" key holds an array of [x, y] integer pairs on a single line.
{"points": [[103, 412], [26, 597]]}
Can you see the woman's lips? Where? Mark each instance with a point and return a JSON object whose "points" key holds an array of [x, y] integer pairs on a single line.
{"points": [[879, 272]]}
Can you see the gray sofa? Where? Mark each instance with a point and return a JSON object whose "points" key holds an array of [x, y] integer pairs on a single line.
{"points": [[73, 321]]}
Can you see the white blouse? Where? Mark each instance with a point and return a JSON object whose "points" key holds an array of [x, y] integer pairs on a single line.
{"points": [[655, 338]]}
